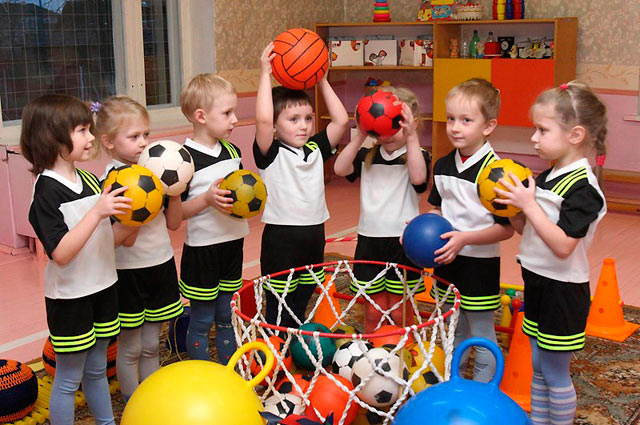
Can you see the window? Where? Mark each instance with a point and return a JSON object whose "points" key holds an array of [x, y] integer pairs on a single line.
{"points": [[90, 49]]}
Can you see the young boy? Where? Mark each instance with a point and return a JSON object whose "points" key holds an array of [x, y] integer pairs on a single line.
{"points": [[290, 160], [471, 257], [211, 267]]}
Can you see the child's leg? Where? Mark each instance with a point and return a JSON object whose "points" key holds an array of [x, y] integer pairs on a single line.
{"points": [[149, 358], [225, 339], [69, 370], [461, 333], [95, 385], [129, 351], [371, 314], [202, 316], [539, 389], [396, 314], [481, 324], [562, 395], [301, 297]]}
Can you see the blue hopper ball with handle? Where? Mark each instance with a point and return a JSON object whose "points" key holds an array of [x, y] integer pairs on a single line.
{"points": [[421, 238], [463, 402]]}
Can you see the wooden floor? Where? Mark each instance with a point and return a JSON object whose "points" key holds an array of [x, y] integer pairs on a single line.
{"points": [[23, 326]]}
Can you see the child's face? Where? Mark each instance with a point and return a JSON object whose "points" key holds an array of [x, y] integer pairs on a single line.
{"points": [[221, 117], [466, 126], [82, 141], [294, 125], [550, 140], [127, 145]]}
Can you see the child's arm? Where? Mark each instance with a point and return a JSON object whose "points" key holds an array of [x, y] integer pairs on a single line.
{"points": [[415, 159], [173, 213], [518, 221], [339, 117], [264, 102], [458, 240], [344, 162], [72, 242], [214, 197], [524, 198], [124, 235]]}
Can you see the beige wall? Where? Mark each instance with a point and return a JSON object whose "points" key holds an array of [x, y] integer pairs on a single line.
{"points": [[608, 51]]}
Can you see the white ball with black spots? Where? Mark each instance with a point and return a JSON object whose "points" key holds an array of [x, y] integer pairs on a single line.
{"points": [[283, 405], [380, 390], [347, 355], [171, 163]]}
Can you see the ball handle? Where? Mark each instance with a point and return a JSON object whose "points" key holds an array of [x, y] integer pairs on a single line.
{"points": [[482, 342], [255, 345]]}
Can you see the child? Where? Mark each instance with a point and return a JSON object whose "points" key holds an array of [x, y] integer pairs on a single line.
{"points": [[290, 160], [471, 257], [71, 218], [394, 171], [147, 278], [211, 268], [560, 212]]}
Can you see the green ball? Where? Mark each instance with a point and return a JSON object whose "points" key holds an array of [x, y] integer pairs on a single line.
{"points": [[327, 345], [511, 292]]}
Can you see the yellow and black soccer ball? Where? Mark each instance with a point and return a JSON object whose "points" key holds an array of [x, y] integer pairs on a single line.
{"points": [[488, 179], [248, 192], [144, 188]]}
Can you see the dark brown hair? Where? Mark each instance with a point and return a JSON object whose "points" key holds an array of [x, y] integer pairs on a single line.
{"points": [[284, 97], [47, 123]]}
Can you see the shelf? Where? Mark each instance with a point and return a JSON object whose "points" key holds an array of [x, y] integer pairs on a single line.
{"points": [[506, 21], [371, 24], [381, 68], [423, 117]]}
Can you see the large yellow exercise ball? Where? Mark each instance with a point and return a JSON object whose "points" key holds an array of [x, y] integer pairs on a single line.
{"points": [[199, 392]]}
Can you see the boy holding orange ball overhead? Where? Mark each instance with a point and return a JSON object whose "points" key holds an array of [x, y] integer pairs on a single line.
{"points": [[290, 159]]}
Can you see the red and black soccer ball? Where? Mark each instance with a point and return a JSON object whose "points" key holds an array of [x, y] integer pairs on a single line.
{"points": [[379, 114]]}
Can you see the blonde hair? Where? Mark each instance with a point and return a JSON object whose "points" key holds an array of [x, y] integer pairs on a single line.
{"points": [[404, 95], [201, 91], [482, 91], [576, 104], [114, 113]]}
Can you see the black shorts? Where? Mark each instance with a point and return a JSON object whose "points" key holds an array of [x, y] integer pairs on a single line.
{"points": [[148, 294], [205, 270], [477, 280], [555, 312], [387, 249], [75, 323], [285, 247]]}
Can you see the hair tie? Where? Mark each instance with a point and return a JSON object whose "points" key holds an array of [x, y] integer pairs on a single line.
{"points": [[95, 107], [564, 86], [600, 159]]}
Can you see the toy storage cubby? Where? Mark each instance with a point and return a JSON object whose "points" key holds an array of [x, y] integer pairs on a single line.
{"points": [[519, 80]]}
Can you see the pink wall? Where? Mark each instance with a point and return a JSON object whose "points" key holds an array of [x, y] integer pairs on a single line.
{"points": [[623, 140]]}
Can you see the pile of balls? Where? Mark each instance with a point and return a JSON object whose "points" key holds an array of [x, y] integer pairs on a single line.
{"points": [[368, 366]]}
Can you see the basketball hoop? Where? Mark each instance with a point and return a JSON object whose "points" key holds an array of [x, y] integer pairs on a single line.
{"points": [[428, 330]]}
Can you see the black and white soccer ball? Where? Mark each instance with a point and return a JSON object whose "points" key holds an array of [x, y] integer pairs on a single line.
{"points": [[380, 389], [171, 163], [347, 355], [283, 405]]}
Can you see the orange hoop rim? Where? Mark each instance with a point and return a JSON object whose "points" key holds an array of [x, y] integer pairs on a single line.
{"points": [[402, 331]]}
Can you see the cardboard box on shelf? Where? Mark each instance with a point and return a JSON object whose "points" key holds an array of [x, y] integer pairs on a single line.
{"points": [[346, 52], [380, 52], [417, 52]]}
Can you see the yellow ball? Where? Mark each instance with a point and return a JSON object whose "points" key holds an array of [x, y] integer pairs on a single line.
{"points": [[198, 392], [248, 192], [145, 190], [427, 377], [488, 179]]}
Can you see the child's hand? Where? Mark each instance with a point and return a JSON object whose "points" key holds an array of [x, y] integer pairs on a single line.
{"points": [[216, 197], [111, 204], [450, 250], [265, 59], [359, 137], [517, 194], [409, 124]]}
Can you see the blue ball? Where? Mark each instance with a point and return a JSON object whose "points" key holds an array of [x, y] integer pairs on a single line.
{"points": [[421, 238]]}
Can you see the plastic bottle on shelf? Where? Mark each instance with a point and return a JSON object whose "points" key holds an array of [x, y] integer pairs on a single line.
{"points": [[509, 9], [473, 51], [464, 46]]}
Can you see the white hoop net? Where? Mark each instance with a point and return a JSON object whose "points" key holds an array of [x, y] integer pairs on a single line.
{"points": [[429, 331]]}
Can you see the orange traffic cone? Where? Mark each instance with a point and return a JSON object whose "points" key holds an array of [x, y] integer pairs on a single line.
{"points": [[426, 295], [605, 316], [518, 371], [324, 313]]}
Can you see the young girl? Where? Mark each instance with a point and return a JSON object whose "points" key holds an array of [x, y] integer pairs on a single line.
{"points": [[71, 218], [147, 278], [560, 212], [393, 172]]}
